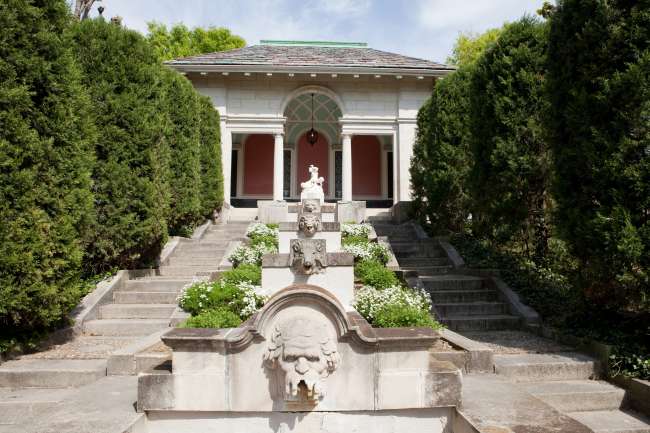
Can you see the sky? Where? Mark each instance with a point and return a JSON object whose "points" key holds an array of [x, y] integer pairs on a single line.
{"points": [[421, 28]]}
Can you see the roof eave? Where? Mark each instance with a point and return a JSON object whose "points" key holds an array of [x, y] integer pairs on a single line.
{"points": [[350, 70]]}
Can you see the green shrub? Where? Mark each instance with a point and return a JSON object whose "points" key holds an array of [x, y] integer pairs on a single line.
{"points": [[401, 315], [132, 155], [395, 306], [374, 274], [46, 138], [217, 318], [240, 298], [245, 272], [363, 249]]}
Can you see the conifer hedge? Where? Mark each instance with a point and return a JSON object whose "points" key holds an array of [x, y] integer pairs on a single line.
{"points": [[511, 172], [104, 151], [441, 156], [599, 129], [46, 156]]}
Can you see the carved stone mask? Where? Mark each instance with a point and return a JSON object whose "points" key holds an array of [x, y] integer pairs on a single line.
{"points": [[309, 224], [308, 256], [303, 349], [311, 206]]}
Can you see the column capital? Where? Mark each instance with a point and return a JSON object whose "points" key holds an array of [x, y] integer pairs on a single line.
{"points": [[278, 134], [346, 135]]}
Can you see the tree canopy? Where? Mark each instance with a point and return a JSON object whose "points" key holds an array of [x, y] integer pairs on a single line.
{"points": [[180, 41], [469, 46]]}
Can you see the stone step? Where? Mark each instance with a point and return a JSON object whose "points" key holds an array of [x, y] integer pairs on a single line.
{"points": [[414, 262], [612, 421], [452, 282], [187, 271], [428, 270], [155, 285], [201, 246], [532, 367], [186, 260], [19, 404], [145, 297], [481, 323], [51, 373], [471, 308], [136, 311], [126, 327], [457, 296], [200, 253], [578, 395], [413, 252]]}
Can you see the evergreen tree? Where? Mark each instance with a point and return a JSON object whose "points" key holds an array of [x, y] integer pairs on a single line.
{"points": [[45, 155], [441, 156], [511, 172], [211, 172], [599, 129], [131, 171]]}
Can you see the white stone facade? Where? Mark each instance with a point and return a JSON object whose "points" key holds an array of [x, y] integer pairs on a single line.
{"points": [[385, 106]]}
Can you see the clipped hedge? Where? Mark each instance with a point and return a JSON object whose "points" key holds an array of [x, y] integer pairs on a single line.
{"points": [[104, 151], [46, 137]]}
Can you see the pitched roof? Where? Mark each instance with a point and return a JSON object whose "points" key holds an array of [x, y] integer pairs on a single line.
{"points": [[310, 58]]}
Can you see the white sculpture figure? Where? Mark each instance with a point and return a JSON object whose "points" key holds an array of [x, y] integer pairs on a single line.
{"points": [[313, 188]]}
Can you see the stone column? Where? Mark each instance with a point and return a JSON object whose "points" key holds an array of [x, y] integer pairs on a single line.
{"points": [[226, 159], [278, 168], [347, 167]]}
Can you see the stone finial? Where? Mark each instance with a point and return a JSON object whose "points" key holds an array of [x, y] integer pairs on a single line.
{"points": [[305, 351], [307, 256]]}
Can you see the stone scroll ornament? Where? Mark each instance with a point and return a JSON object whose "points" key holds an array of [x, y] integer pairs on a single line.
{"points": [[307, 256], [303, 349], [313, 188]]}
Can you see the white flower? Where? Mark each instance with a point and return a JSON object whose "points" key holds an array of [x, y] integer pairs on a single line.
{"points": [[245, 254], [355, 229], [369, 300], [367, 251], [259, 229]]}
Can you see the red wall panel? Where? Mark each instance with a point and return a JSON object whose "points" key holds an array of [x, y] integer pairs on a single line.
{"points": [[258, 164], [366, 165]]}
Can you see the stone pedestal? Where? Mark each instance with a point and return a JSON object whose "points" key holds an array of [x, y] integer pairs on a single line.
{"points": [[272, 212], [351, 211], [329, 231]]}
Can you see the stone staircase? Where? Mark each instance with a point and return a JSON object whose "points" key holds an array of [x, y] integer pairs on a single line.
{"points": [[567, 382], [461, 302], [42, 381]]}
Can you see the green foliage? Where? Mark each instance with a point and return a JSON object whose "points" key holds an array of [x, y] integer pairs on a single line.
{"points": [[599, 130], [217, 318], [401, 315], [441, 157], [469, 47], [46, 139], [510, 176], [210, 157], [179, 41], [245, 272], [130, 172], [363, 249], [375, 274], [183, 135], [240, 298]]}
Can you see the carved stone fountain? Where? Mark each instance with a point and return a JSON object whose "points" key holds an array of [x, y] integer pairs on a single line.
{"points": [[307, 361]]}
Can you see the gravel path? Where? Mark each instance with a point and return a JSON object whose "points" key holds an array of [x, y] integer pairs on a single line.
{"points": [[513, 342], [83, 347]]}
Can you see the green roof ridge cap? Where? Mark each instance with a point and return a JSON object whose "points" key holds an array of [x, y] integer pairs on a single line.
{"points": [[314, 43]]}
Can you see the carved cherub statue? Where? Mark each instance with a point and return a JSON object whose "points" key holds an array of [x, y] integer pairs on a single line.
{"points": [[313, 188]]}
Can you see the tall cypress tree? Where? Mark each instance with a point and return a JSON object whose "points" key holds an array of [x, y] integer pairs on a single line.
{"points": [[211, 172], [45, 154], [599, 129], [511, 173], [126, 84]]}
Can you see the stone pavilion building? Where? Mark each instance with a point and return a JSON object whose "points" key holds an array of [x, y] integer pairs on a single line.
{"points": [[362, 103]]}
